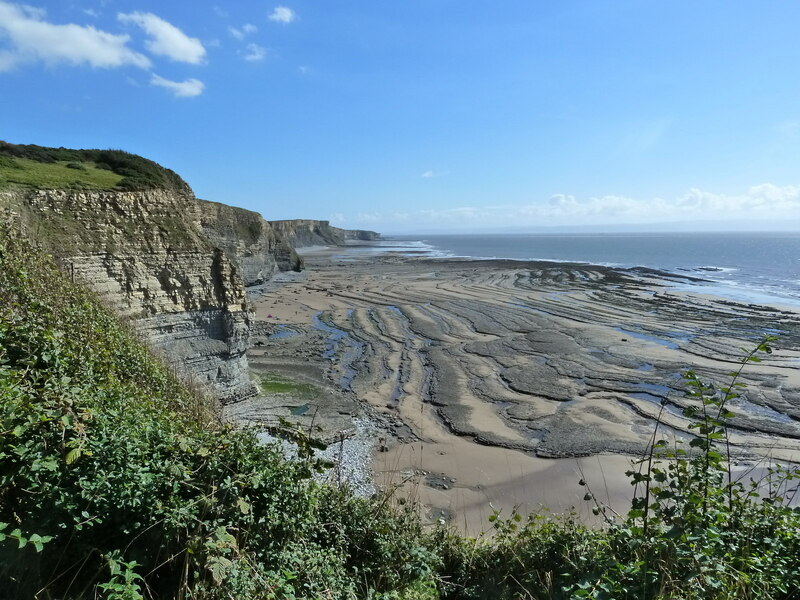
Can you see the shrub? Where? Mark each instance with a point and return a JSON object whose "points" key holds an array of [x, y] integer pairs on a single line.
{"points": [[138, 173], [115, 480], [693, 531]]}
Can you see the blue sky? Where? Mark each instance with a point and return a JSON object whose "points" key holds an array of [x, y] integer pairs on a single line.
{"points": [[426, 115]]}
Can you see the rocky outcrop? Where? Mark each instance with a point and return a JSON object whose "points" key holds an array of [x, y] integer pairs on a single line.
{"points": [[361, 235], [175, 265], [259, 250], [301, 233]]}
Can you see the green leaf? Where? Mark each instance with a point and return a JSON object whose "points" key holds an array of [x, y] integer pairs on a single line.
{"points": [[244, 507], [73, 455], [219, 567]]}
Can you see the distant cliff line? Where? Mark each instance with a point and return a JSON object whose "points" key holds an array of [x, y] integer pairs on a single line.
{"points": [[301, 233], [177, 266]]}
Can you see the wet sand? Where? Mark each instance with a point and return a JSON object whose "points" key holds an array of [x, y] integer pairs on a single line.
{"points": [[499, 384]]}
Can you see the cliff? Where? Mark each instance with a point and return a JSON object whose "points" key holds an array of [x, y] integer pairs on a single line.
{"points": [[360, 234], [175, 265], [258, 248], [305, 232]]}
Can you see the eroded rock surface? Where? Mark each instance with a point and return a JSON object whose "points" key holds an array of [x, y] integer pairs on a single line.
{"points": [[553, 359], [175, 265]]}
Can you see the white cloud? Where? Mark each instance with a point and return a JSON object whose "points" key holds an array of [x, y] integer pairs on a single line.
{"points": [[254, 53], [33, 12], [166, 39], [91, 12], [243, 32], [430, 174], [180, 89], [761, 203], [33, 39], [766, 201], [282, 14], [220, 12]]}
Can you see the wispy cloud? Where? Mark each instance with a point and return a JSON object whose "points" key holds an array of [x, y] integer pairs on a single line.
{"points": [[33, 39], [179, 89], [166, 39], [282, 14], [243, 31], [254, 53], [645, 135], [431, 174]]}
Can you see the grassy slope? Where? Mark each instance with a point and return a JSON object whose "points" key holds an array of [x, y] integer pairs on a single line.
{"points": [[114, 477], [29, 173], [43, 167]]}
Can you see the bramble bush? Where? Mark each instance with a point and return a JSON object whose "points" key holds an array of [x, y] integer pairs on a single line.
{"points": [[116, 481]]}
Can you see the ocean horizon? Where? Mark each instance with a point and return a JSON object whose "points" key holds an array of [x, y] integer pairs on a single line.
{"points": [[753, 267]]}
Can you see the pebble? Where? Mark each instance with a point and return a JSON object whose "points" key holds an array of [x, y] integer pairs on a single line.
{"points": [[351, 457]]}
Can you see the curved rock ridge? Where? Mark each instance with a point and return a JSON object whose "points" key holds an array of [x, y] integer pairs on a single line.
{"points": [[175, 265]]}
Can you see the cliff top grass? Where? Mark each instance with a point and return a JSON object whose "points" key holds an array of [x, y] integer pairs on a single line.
{"points": [[39, 167]]}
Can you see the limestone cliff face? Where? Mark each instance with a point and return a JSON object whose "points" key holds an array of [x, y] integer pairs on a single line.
{"points": [[300, 233], [259, 250], [303, 232], [175, 265], [361, 235]]}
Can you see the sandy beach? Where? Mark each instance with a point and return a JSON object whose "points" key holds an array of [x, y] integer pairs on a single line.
{"points": [[500, 384]]}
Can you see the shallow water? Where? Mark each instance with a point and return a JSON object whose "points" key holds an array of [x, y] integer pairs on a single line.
{"points": [[750, 267]]}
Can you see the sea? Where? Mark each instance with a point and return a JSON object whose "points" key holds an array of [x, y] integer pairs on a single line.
{"points": [[760, 268]]}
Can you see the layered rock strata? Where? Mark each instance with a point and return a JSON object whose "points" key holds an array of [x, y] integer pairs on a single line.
{"points": [[175, 265], [259, 250], [301, 233]]}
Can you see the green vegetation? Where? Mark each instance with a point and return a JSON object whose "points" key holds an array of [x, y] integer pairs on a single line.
{"points": [[272, 383], [41, 167], [29, 173], [117, 482], [693, 530]]}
